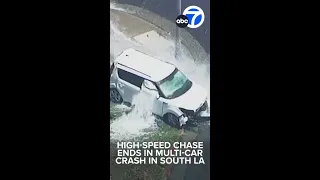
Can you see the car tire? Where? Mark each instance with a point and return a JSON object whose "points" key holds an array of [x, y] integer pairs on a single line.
{"points": [[172, 120], [115, 96]]}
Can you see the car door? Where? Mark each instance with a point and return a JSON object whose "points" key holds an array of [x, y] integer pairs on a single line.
{"points": [[153, 92], [158, 106], [128, 85]]}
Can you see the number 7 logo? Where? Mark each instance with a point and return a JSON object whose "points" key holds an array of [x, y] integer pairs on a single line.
{"points": [[195, 16]]}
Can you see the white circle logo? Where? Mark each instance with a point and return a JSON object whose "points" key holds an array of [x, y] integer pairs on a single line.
{"points": [[195, 15]]}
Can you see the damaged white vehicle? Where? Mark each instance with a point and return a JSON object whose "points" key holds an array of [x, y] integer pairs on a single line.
{"points": [[175, 97]]}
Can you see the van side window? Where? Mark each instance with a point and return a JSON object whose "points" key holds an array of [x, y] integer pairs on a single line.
{"points": [[130, 78]]}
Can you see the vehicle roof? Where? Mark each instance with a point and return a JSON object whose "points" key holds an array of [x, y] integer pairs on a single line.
{"points": [[144, 65]]}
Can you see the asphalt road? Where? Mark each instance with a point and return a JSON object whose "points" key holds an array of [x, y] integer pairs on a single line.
{"points": [[196, 172]]}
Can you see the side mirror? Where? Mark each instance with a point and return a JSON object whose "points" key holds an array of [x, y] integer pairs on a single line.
{"points": [[151, 88], [149, 85]]}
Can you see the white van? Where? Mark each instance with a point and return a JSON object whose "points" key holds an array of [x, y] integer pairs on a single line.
{"points": [[176, 98]]}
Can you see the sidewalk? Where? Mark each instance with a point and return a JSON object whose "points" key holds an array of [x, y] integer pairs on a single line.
{"points": [[130, 25]]}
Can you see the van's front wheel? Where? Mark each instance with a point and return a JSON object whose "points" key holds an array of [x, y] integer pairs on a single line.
{"points": [[172, 120]]}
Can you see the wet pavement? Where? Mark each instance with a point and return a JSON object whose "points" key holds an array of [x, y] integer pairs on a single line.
{"points": [[194, 132], [170, 9], [201, 171]]}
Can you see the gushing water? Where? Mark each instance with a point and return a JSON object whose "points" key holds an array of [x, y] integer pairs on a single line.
{"points": [[140, 120]]}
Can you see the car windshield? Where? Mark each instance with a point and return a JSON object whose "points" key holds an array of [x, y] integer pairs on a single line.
{"points": [[174, 85]]}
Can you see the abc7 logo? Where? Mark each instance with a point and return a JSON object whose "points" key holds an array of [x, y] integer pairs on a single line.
{"points": [[192, 17], [182, 21]]}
